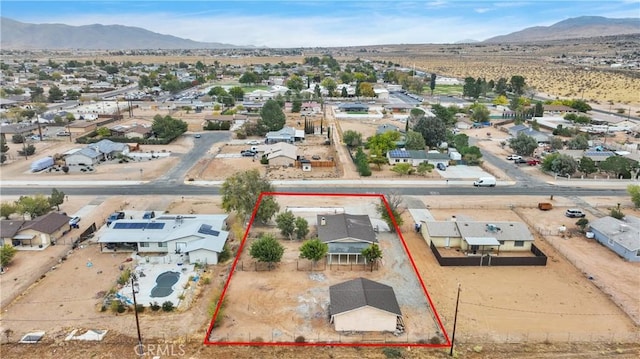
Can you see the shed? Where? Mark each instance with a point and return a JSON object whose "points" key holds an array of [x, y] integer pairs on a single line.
{"points": [[365, 306]]}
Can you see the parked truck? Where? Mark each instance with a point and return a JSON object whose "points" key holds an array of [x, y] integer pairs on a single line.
{"points": [[114, 217], [41, 164], [485, 182]]}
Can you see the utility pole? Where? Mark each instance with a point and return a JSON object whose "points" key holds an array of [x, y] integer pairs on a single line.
{"points": [[455, 320], [140, 350]]}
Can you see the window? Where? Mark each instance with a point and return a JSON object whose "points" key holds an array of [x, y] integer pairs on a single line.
{"points": [[518, 243], [144, 244], [501, 243], [162, 244]]}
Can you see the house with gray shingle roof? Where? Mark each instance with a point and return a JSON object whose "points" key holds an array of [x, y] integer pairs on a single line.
{"points": [[363, 305], [347, 235], [414, 157], [109, 148], [39, 232], [83, 157], [620, 236]]}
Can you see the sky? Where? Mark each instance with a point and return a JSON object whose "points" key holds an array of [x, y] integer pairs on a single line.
{"points": [[320, 23]]}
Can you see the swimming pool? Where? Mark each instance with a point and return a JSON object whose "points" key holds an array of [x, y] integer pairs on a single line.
{"points": [[164, 284]]}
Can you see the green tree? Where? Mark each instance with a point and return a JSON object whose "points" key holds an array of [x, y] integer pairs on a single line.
{"points": [[372, 254], [616, 213], [237, 93], [523, 145], [7, 209], [432, 83], [285, 222], [587, 165], [35, 206], [295, 83], [579, 142], [313, 250], [479, 113], [241, 191], [394, 212], [517, 84], [560, 164], [381, 143], [267, 249], [55, 94], [461, 141], [501, 87], [329, 84], [7, 252], [271, 116], [352, 138], [56, 198], [556, 143], [446, 115], [618, 166], [402, 169], [302, 228], [296, 105], [501, 100], [582, 224], [248, 78], [168, 127], [432, 129], [4, 148], [634, 192], [366, 90], [103, 132], [423, 168], [72, 95], [414, 141]]}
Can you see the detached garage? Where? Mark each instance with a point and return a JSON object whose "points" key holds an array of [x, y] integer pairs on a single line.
{"points": [[362, 305]]}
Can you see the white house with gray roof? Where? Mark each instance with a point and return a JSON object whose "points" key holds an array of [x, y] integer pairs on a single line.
{"points": [[83, 157], [347, 235], [200, 238], [414, 157], [362, 305], [620, 236]]}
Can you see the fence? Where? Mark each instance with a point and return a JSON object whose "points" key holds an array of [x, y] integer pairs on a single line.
{"points": [[277, 336], [317, 163], [550, 337], [306, 266], [540, 259]]}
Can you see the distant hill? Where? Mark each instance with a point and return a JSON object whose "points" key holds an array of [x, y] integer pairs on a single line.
{"points": [[19, 35], [573, 28]]}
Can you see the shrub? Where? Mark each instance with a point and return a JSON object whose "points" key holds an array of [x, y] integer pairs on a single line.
{"points": [[167, 306], [124, 277], [300, 339], [206, 280], [434, 340], [225, 254], [392, 352], [117, 307], [155, 306], [139, 308], [181, 297]]}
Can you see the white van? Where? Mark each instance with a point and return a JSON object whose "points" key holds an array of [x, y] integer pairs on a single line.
{"points": [[485, 182]]}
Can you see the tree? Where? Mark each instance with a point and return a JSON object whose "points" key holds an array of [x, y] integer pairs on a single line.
{"points": [[237, 93], [7, 252], [560, 164], [168, 127], [55, 94], [285, 222], [617, 165], [296, 105], [580, 142], [4, 148], [447, 115], [372, 254], [501, 87], [523, 145], [403, 169], [56, 198], [556, 143], [582, 224], [313, 250], [414, 141], [587, 165], [479, 113], [517, 84], [539, 109], [267, 249], [352, 138], [501, 100], [103, 132], [423, 168], [329, 84], [432, 83], [35, 206], [295, 83], [302, 228], [394, 211], [432, 129], [381, 143], [241, 191], [271, 116], [634, 192], [248, 78], [461, 141], [366, 90], [344, 92], [7, 209]]}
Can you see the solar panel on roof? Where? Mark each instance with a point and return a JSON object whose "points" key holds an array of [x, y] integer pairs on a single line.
{"points": [[400, 154], [207, 229], [138, 225], [155, 225]]}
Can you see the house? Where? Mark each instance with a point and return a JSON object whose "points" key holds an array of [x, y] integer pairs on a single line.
{"points": [[414, 157], [279, 154], [558, 109], [387, 128], [310, 108], [286, 134], [353, 107], [83, 157], [347, 235], [199, 238], [540, 137], [258, 96], [620, 236], [477, 238], [435, 157], [39, 232], [362, 305], [135, 131], [110, 149]]}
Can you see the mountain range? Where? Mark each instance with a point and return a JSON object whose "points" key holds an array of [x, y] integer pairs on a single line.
{"points": [[19, 35]]}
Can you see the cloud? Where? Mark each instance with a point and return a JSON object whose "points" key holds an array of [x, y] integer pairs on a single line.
{"points": [[482, 10]]}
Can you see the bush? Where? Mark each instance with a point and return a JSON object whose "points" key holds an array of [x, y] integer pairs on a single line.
{"points": [[392, 352], [117, 307], [206, 281], [300, 339], [140, 308], [225, 254], [167, 306], [155, 306]]}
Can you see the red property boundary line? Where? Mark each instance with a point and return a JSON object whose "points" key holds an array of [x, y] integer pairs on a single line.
{"points": [[330, 344]]}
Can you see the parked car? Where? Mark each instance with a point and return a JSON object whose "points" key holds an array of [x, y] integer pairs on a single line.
{"points": [[441, 166], [513, 157], [74, 221], [149, 215], [574, 213], [114, 217], [253, 142], [519, 161], [248, 153], [63, 133], [533, 162], [485, 182], [197, 135]]}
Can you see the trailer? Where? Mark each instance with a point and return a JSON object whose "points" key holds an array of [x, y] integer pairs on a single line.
{"points": [[41, 164]]}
